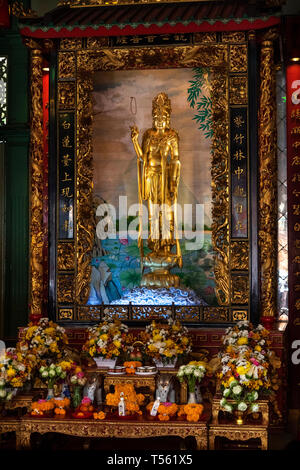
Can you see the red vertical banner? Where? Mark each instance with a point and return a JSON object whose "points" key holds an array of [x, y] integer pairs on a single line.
{"points": [[293, 181], [4, 14], [45, 185]]}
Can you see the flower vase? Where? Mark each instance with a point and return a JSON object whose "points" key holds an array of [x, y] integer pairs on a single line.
{"points": [[192, 398], [239, 417], [76, 396], [50, 394]]}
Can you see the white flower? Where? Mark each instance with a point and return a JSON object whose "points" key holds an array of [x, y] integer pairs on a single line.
{"points": [[255, 395], [2, 393], [228, 408], [45, 374], [52, 366], [233, 383], [237, 389], [51, 373], [226, 392], [223, 402], [73, 379], [254, 407], [58, 370], [244, 333], [9, 396], [2, 382], [198, 373], [242, 406]]}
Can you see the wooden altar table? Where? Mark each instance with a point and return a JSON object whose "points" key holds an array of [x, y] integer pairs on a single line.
{"points": [[235, 432], [10, 424], [90, 428]]}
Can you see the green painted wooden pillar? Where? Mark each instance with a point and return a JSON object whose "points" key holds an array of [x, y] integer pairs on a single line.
{"points": [[15, 193]]}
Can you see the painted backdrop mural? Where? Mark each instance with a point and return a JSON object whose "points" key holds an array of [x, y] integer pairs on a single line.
{"points": [[122, 99]]}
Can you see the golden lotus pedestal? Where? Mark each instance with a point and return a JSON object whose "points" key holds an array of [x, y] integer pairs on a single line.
{"points": [[159, 265]]}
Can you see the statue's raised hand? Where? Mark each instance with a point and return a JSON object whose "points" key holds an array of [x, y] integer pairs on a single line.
{"points": [[134, 133]]}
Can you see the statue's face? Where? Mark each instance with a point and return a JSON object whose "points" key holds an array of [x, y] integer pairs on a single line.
{"points": [[161, 120]]}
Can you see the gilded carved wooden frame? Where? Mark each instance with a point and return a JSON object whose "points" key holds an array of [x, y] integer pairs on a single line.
{"points": [[227, 59]]}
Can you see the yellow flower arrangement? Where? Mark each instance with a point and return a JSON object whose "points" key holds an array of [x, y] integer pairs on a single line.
{"points": [[166, 341], [44, 341], [13, 373], [108, 339], [245, 366]]}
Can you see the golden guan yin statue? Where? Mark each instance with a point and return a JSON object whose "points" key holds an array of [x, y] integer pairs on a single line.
{"points": [[158, 169]]}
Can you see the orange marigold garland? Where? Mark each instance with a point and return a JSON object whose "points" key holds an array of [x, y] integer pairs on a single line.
{"points": [[165, 410], [132, 399]]}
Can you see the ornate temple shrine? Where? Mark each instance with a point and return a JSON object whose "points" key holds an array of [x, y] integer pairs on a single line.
{"points": [[149, 200]]}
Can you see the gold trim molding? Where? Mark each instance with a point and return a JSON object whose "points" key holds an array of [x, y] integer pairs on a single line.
{"points": [[36, 183], [105, 3], [267, 234]]}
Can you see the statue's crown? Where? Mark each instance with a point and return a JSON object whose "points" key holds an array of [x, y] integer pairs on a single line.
{"points": [[161, 103]]}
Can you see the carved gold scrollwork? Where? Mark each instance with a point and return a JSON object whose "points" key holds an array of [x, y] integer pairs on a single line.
{"points": [[66, 95], [238, 89], [65, 289], [220, 190], [17, 9], [91, 313], [239, 252], [216, 314], [84, 184], [66, 64], [240, 289], [233, 36], [239, 315], [155, 57], [36, 182], [97, 43], [205, 37], [65, 314], [65, 256], [267, 181], [238, 61], [72, 43]]}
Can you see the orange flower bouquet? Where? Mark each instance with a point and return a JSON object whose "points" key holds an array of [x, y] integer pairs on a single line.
{"points": [[165, 410], [130, 366], [101, 415], [192, 411], [60, 406], [41, 407], [133, 400]]}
